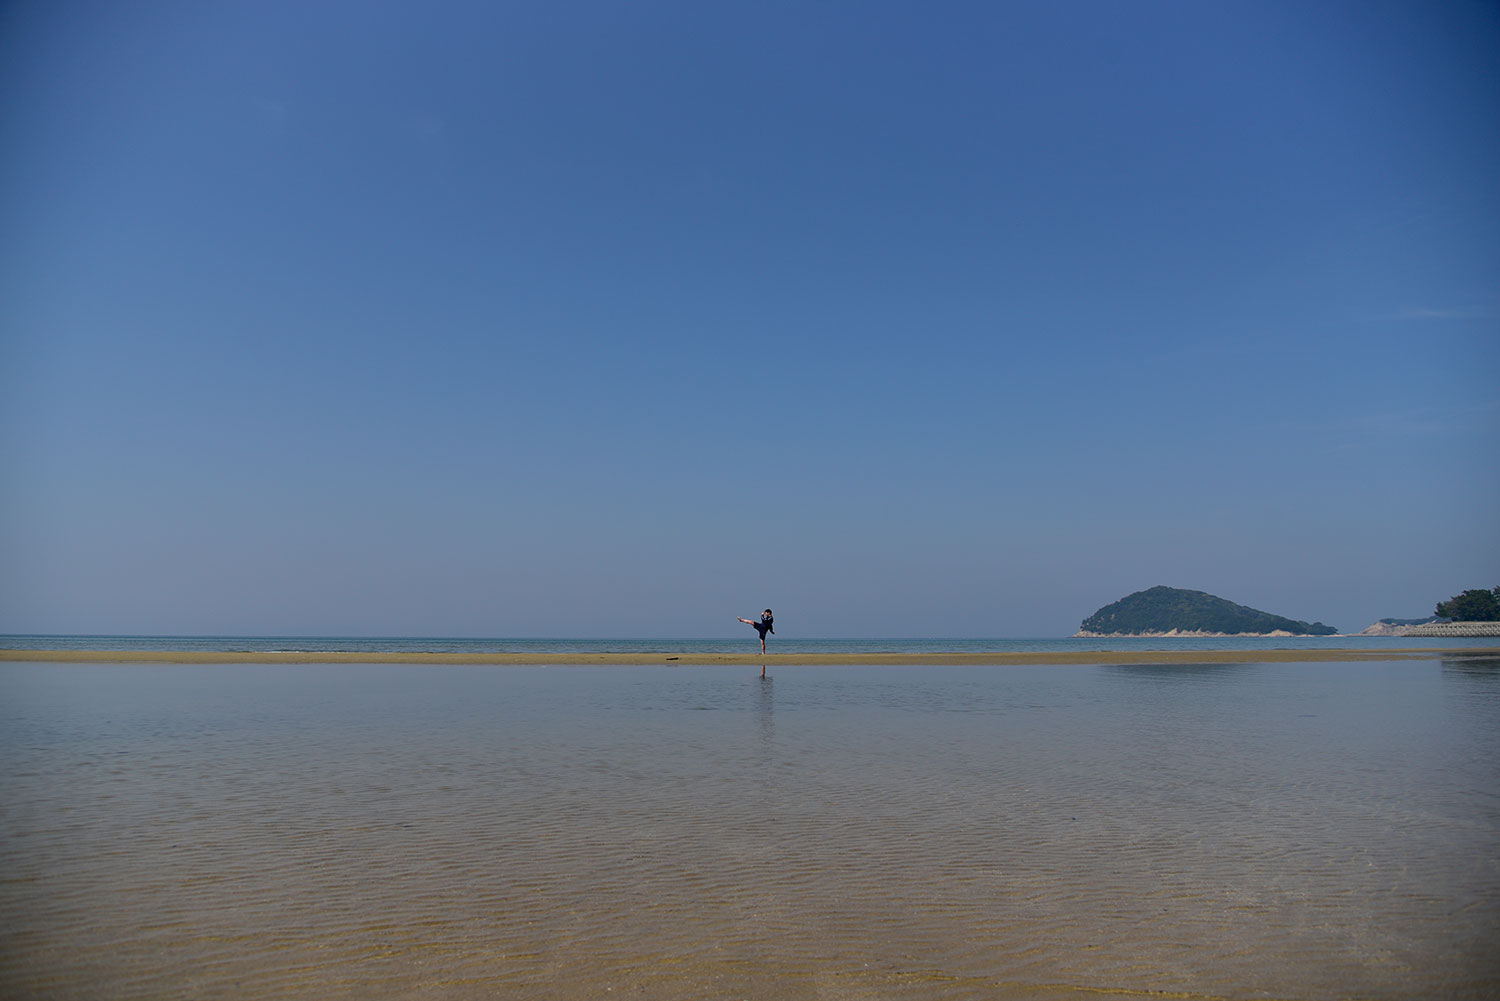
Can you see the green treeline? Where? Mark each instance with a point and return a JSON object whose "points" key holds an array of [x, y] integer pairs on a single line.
{"points": [[1473, 605], [1162, 609]]}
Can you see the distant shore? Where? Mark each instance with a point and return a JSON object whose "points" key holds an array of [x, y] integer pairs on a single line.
{"points": [[1426, 630], [699, 659]]}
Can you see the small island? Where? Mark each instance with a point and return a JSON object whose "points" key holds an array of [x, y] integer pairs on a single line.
{"points": [[1171, 611]]}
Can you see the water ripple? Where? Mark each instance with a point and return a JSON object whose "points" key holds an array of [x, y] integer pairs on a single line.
{"points": [[918, 833]]}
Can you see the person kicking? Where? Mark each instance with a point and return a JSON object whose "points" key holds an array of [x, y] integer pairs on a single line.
{"points": [[762, 627]]}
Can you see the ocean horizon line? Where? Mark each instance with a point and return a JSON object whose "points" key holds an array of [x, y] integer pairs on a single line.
{"points": [[324, 640]]}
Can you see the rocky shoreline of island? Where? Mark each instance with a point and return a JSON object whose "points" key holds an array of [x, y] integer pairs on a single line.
{"points": [[1195, 634]]}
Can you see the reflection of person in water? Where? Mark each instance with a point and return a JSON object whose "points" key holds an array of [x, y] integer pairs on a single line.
{"points": [[762, 627]]}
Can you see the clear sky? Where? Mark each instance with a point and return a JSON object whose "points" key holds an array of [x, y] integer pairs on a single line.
{"points": [[623, 319]]}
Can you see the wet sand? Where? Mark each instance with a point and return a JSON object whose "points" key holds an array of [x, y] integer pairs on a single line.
{"points": [[998, 658]]}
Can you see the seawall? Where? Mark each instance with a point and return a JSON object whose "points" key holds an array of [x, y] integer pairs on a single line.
{"points": [[1454, 629]]}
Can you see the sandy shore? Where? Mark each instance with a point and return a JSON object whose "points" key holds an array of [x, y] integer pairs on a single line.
{"points": [[851, 659]]}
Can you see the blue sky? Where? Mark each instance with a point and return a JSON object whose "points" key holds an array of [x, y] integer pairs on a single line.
{"points": [[612, 319]]}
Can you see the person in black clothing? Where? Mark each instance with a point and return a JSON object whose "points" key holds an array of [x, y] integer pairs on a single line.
{"points": [[762, 627]]}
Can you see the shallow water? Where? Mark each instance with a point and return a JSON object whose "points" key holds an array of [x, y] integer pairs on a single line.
{"points": [[1293, 830], [740, 642]]}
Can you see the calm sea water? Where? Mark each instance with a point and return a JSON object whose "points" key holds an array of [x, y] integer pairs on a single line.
{"points": [[1315, 830], [744, 643]]}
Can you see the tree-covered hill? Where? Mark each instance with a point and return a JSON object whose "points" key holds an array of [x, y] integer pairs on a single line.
{"points": [[1473, 605], [1164, 609]]}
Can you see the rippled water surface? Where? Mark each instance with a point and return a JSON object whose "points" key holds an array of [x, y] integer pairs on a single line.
{"points": [[743, 642], [1292, 831]]}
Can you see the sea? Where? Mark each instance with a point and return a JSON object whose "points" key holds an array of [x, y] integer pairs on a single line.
{"points": [[1310, 830], [739, 643]]}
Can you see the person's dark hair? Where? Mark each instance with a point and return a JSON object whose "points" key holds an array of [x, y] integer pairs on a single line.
{"points": [[768, 611]]}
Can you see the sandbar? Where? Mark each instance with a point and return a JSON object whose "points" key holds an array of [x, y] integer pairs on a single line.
{"points": [[998, 658]]}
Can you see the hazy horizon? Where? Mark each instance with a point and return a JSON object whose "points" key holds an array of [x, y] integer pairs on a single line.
{"points": [[607, 321]]}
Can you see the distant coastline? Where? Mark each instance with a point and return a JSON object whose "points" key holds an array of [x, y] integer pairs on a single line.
{"points": [[1455, 630]]}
